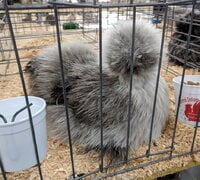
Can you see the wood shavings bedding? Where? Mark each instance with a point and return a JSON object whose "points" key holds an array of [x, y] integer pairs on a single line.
{"points": [[57, 164]]}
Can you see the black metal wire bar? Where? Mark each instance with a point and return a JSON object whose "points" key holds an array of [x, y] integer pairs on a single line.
{"points": [[182, 60], [128, 159], [3, 75], [2, 170], [4, 119], [182, 79], [23, 24], [168, 24], [145, 164], [171, 71], [131, 82], [42, 35], [138, 157], [185, 22], [101, 90], [124, 161], [85, 5], [194, 151], [83, 29], [185, 154], [121, 171], [179, 40], [24, 87], [23, 49], [136, 167], [91, 37], [11, 61], [26, 7], [182, 41], [22, 109], [189, 49], [173, 14], [135, 158], [161, 152], [48, 6], [157, 80], [195, 45], [118, 10], [195, 130], [64, 89], [107, 10]]}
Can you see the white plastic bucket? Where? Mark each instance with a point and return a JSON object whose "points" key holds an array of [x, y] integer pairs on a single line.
{"points": [[190, 99], [16, 143]]}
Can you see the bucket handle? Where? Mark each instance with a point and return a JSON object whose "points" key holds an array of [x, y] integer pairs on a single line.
{"points": [[4, 119], [22, 109], [15, 115]]}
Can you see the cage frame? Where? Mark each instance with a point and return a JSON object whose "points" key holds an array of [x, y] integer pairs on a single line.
{"points": [[55, 6]]}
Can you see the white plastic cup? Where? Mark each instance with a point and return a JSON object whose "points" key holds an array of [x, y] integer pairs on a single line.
{"points": [[190, 99], [16, 143]]}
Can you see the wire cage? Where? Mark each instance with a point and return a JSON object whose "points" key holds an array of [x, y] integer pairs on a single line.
{"points": [[25, 30]]}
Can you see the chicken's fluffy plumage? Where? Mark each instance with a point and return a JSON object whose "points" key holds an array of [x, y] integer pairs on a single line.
{"points": [[82, 85]]}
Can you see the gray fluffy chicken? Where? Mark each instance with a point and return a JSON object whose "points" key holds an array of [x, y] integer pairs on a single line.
{"points": [[82, 88], [177, 47]]}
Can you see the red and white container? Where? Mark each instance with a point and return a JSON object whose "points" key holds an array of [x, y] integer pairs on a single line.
{"points": [[190, 99]]}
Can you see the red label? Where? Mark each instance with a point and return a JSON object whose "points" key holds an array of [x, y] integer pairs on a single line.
{"points": [[192, 111]]}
